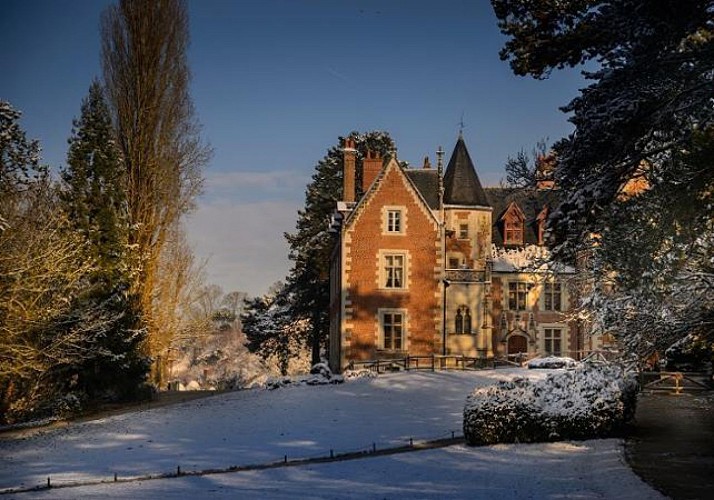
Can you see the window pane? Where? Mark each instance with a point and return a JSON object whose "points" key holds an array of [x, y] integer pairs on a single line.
{"points": [[463, 231], [394, 221], [393, 330]]}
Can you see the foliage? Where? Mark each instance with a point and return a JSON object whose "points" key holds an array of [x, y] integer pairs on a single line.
{"points": [[312, 244], [271, 328], [19, 158], [146, 76], [587, 402], [522, 170], [636, 175], [94, 198]]}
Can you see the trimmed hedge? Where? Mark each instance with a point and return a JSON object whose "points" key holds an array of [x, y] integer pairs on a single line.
{"points": [[590, 401]]}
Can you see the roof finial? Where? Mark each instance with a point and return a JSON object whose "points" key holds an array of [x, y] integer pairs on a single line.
{"points": [[461, 126]]}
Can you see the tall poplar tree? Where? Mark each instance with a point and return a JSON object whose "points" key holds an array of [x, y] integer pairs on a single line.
{"points": [[146, 76]]}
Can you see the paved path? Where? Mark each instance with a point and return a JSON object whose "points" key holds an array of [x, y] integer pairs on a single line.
{"points": [[672, 446]]}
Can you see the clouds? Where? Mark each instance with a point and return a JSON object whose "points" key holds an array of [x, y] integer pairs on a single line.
{"points": [[239, 225]]}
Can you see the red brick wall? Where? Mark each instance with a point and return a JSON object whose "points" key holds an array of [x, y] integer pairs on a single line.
{"points": [[364, 294]]}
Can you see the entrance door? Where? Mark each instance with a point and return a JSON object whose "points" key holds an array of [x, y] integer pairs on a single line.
{"points": [[517, 344]]}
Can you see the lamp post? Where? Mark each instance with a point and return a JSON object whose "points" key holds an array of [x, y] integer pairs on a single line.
{"points": [[443, 321]]}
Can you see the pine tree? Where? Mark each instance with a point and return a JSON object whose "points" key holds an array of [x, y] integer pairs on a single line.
{"points": [[94, 197], [312, 244], [270, 327], [646, 117]]}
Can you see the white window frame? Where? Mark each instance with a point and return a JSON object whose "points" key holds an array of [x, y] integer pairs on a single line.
{"points": [[384, 273], [383, 323], [388, 220]]}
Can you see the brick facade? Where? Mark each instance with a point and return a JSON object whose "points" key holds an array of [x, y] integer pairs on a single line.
{"points": [[423, 245]]}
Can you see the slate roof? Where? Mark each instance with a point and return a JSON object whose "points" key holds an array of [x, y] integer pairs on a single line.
{"points": [[530, 201], [426, 181], [461, 183]]}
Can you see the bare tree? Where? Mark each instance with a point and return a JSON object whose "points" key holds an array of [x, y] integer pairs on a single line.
{"points": [[146, 75]]}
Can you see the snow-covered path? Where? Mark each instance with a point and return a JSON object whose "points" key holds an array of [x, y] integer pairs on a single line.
{"points": [[262, 426]]}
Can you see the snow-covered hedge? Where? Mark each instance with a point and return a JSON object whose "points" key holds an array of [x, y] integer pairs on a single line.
{"points": [[552, 362], [590, 401]]}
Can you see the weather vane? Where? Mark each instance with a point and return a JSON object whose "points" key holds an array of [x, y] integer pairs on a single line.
{"points": [[461, 125]]}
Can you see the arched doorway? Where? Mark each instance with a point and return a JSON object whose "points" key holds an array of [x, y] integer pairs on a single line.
{"points": [[517, 344]]}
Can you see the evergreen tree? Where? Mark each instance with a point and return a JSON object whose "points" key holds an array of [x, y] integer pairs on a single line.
{"points": [[94, 186], [647, 118], [270, 327], [312, 244], [95, 200]]}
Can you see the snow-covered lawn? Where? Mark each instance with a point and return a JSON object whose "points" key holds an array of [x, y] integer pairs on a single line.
{"points": [[261, 426]]}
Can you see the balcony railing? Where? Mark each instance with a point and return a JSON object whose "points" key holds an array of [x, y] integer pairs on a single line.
{"points": [[465, 276]]}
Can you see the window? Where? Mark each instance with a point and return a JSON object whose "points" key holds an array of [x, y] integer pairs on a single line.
{"points": [[462, 321], [453, 262], [514, 232], [553, 297], [394, 221], [463, 231], [517, 294], [393, 330], [393, 271], [553, 338]]}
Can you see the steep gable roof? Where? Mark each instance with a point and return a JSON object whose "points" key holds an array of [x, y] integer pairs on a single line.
{"points": [[427, 183], [461, 183], [367, 197]]}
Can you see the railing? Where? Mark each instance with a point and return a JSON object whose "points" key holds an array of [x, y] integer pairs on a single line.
{"points": [[465, 276], [676, 381], [431, 363]]}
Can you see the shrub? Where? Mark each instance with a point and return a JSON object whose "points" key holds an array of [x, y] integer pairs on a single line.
{"points": [[584, 403]]}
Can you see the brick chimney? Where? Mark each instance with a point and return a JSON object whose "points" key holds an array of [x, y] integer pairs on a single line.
{"points": [[545, 164], [371, 167], [348, 172]]}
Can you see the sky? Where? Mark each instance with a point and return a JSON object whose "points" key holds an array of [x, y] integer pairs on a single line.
{"points": [[276, 82]]}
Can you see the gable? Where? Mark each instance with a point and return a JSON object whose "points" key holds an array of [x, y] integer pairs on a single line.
{"points": [[391, 182], [532, 203]]}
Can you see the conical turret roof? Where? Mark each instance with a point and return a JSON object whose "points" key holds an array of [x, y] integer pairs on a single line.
{"points": [[461, 183]]}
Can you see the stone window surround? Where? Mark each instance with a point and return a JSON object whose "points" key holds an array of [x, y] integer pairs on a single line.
{"points": [[550, 291], [386, 209], [381, 312], [563, 327], [382, 270]]}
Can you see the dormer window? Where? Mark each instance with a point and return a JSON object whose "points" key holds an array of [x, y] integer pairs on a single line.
{"points": [[513, 225], [514, 232]]}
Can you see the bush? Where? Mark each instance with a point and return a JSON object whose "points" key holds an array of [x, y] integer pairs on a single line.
{"points": [[585, 403]]}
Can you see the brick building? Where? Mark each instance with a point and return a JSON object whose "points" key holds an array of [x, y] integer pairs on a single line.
{"points": [[429, 262]]}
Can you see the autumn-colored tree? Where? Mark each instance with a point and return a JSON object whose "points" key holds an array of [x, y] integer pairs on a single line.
{"points": [[146, 76]]}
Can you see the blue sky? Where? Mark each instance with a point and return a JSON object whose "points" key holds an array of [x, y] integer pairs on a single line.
{"points": [[275, 82]]}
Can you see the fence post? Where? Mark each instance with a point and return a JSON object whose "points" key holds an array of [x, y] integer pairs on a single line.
{"points": [[406, 362], [433, 361]]}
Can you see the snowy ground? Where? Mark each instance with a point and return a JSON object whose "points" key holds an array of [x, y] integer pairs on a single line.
{"points": [[260, 426]]}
